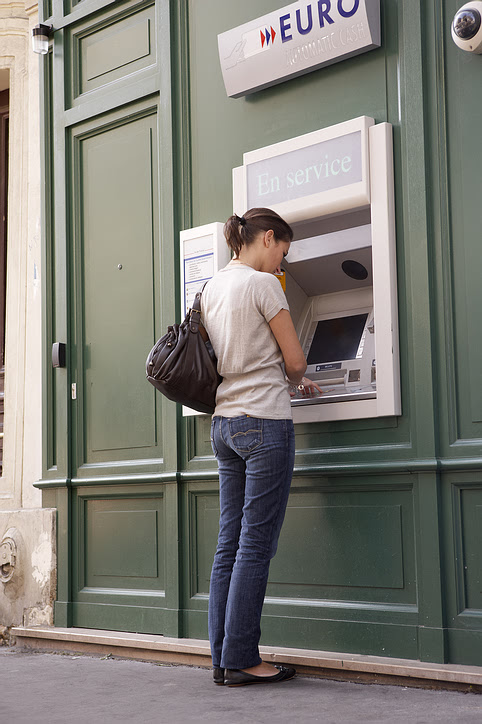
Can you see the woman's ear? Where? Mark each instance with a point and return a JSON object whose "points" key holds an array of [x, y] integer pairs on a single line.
{"points": [[268, 237]]}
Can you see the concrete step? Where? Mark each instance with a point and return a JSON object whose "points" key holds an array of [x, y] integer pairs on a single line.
{"points": [[194, 652]]}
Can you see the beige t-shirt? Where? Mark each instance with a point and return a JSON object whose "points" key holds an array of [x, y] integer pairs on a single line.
{"points": [[237, 304]]}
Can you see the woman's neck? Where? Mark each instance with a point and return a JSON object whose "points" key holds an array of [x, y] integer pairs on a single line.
{"points": [[250, 257]]}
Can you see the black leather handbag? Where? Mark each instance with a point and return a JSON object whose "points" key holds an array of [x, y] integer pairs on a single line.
{"points": [[183, 366]]}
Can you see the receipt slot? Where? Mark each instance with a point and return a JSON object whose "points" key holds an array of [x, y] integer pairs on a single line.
{"points": [[335, 187]]}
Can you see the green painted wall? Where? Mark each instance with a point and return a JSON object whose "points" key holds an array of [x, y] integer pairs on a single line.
{"points": [[380, 552]]}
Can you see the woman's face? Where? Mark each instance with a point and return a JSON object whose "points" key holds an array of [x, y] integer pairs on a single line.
{"points": [[275, 252]]}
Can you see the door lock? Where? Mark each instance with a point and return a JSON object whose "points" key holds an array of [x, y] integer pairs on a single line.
{"points": [[58, 354]]}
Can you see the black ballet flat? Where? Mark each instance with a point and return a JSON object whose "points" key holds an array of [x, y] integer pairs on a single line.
{"points": [[236, 677], [218, 676]]}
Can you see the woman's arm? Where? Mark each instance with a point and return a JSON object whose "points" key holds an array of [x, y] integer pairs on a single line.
{"points": [[285, 334]]}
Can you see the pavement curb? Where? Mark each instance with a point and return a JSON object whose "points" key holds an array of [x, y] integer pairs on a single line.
{"points": [[194, 652]]}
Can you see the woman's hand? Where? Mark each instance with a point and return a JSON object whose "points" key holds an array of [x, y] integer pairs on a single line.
{"points": [[306, 388]]}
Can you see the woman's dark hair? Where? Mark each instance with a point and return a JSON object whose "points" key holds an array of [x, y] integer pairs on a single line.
{"points": [[242, 230]]}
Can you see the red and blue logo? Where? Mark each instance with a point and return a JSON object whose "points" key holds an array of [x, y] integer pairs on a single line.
{"points": [[268, 35], [304, 20]]}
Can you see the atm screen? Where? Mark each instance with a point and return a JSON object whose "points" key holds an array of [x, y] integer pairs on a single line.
{"points": [[336, 339]]}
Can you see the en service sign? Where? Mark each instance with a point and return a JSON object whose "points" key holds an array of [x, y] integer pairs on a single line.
{"points": [[297, 39], [322, 172], [314, 169]]}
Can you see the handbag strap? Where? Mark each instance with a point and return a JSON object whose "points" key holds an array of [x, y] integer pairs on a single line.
{"points": [[195, 311]]}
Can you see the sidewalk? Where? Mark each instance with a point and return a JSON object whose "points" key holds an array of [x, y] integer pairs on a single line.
{"points": [[60, 688]]}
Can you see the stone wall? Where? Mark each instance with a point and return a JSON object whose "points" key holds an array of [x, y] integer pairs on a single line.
{"points": [[27, 532], [27, 567]]}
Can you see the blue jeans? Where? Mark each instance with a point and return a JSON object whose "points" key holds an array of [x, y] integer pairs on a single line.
{"points": [[255, 458]]}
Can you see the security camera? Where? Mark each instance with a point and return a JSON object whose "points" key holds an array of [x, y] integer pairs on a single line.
{"points": [[467, 27]]}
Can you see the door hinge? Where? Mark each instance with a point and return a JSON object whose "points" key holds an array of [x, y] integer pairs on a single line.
{"points": [[74, 390]]}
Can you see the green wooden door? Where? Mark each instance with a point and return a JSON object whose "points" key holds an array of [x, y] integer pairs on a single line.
{"points": [[110, 256]]}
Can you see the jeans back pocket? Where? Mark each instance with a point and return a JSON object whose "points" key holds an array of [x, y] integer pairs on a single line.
{"points": [[246, 433]]}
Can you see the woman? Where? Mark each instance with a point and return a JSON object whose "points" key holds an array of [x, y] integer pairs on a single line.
{"points": [[247, 318]]}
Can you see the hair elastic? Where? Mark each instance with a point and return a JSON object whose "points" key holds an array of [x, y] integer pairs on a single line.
{"points": [[242, 220]]}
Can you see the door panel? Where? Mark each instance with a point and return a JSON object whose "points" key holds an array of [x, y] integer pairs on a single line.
{"points": [[121, 556], [115, 167], [121, 44], [123, 544], [118, 271], [463, 516]]}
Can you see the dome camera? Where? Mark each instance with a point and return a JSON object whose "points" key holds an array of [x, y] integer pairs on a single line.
{"points": [[467, 27]]}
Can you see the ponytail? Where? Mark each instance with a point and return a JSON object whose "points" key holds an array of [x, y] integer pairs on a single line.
{"points": [[241, 231]]}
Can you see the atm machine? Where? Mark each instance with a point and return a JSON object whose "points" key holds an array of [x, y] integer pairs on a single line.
{"points": [[335, 188]]}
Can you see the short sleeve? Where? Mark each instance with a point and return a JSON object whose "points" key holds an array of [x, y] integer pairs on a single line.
{"points": [[269, 295]]}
